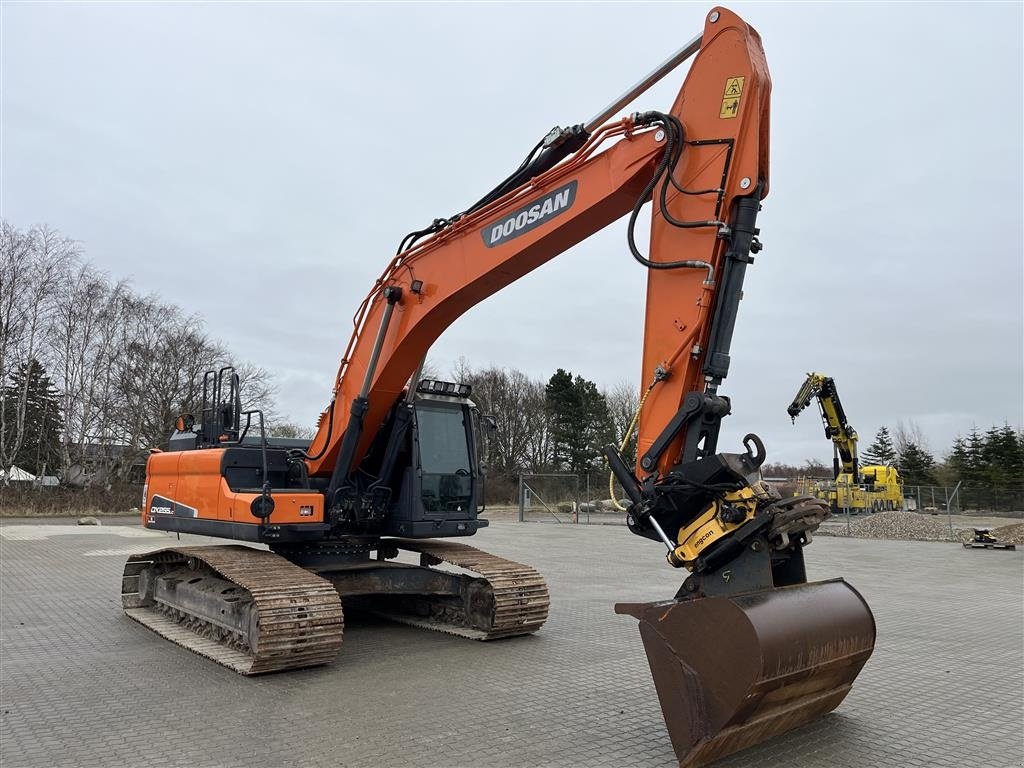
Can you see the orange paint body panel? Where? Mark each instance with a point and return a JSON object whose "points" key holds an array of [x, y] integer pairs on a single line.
{"points": [[194, 479], [679, 306]]}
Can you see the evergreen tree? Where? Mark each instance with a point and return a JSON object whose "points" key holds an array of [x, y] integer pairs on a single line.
{"points": [[580, 422], [991, 469], [974, 475], [1002, 457], [32, 406], [988, 464], [917, 466], [881, 451], [1016, 463], [559, 402], [959, 459]]}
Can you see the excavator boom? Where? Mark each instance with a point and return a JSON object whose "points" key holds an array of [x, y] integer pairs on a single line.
{"points": [[718, 126]]}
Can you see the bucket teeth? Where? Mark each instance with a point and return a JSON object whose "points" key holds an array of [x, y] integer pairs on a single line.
{"points": [[733, 671]]}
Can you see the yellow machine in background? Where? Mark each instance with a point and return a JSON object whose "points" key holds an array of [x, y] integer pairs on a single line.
{"points": [[874, 488]]}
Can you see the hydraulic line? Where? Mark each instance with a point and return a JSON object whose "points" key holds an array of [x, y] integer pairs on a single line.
{"points": [[625, 442], [674, 139], [298, 453]]}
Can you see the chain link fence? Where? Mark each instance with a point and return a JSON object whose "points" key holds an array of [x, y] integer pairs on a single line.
{"points": [[962, 500], [584, 499], [569, 498], [549, 498]]}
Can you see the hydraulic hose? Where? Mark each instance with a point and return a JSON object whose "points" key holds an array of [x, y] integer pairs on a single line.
{"points": [[625, 442]]}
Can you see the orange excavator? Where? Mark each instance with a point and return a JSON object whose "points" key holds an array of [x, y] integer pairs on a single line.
{"points": [[745, 650]]}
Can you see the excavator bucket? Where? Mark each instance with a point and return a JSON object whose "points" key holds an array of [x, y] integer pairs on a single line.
{"points": [[733, 671]]}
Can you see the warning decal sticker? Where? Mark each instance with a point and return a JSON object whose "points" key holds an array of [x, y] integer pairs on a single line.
{"points": [[733, 87], [731, 97]]}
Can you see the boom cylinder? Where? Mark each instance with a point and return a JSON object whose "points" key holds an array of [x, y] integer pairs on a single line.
{"points": [[361, 404]]}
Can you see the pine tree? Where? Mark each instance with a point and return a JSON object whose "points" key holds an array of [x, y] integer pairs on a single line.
{"points": [[1002, 457], [992, 458], [599, 430], [917, 466], [1015, 464], [558, 400], [881, 451], [974, 475], [580, 421], [959, 459], [41, 427]]}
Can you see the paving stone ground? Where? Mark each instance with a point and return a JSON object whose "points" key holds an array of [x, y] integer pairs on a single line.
{"points": [[82, 685]]}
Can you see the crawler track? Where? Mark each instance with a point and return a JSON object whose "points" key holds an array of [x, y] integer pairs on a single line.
{"points": [[514, 601], [296, 616], [256, 612]]}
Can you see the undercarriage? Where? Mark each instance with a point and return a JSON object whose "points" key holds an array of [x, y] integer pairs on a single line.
{"points": [[256, 611]]}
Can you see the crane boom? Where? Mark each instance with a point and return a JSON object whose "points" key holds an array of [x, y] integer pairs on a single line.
{"points": [[837, 428]]}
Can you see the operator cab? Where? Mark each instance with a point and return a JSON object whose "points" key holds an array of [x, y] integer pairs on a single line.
{"points": [[446, 477], [442, 484]]}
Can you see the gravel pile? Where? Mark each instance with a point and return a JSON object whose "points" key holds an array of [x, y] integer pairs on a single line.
{"points": [[1008, 534], [896, 525], [1011, 534]]}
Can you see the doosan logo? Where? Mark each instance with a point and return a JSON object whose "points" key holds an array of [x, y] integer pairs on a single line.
{"points": [[530, 216]]}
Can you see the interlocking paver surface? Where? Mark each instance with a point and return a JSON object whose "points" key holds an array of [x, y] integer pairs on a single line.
{"points": [[82, 685]]}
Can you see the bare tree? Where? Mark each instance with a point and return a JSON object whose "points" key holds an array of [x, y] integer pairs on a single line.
{"points": [[259, 392], [429, 369], [516, 403], [462, 371], [907, 434], [623, 402], [15, 272], [815, 468], [125, 365], [32, 266], [162, 352], [290, 430], [83, 338], [540, 446]]}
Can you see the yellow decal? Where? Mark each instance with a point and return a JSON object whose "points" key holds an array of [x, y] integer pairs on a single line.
{"points": [[731, 97], [733, 87]]}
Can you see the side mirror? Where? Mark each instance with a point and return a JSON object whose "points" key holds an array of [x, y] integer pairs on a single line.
{"points": [[490, 423], [185, 422]]}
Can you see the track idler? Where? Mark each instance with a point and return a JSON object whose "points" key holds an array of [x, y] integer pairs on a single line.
{"points": [[733, 670]]}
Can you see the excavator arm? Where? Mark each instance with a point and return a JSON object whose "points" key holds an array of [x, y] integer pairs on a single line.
{"points": [[704, 163], [844, 439]]}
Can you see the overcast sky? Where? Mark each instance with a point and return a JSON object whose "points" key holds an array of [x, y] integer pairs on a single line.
{"points": [[257, 164]]}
